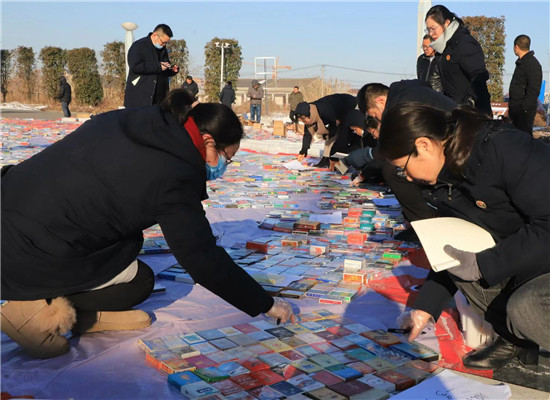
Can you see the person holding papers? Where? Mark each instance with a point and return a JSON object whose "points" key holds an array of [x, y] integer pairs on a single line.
{"points": [[73, 216], [494, 176]]}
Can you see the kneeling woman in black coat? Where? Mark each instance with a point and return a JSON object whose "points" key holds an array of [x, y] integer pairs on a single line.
{"points": [[73, 216], [493, 175]]}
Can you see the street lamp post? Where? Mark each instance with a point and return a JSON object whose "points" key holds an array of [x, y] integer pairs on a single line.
{"points": [[223, 46], [128, 40]]}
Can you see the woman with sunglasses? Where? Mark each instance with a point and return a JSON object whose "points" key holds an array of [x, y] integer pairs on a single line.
{"points": [[73, 216], [462, 63], [493, 175]]}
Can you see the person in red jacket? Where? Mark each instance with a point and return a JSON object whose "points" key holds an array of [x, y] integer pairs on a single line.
{"points": [[73, 216]]}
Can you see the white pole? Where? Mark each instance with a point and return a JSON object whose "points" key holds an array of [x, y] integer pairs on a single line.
{"points": [[423, 7], [128, 40], [221, 71]]}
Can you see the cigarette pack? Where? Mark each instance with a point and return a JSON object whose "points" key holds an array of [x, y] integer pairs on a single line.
{"points": [[345, 372], [324, 360], [400, 381], [211, 374], [265, 393], [227, 387], [267, 376], [326, 378], [292, 355], [232, 368], [305, 383], [378, 383], [307, 366], [351, 388], [243, 340], [360, 354], [246, 381], [180, 379], [198, 390], [286, 388], [354, 264], [417, 351], [325, 394], [382, 337]]}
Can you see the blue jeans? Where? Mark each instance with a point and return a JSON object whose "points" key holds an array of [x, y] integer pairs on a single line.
{"points": [[255, 112], [65, 108]]}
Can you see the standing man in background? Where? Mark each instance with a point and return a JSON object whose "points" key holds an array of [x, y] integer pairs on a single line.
{"points": [[255, 94], [227, 95], [64, 96], [525, 86], [427, 68], [294, 99], [150, 69], [191, 86]]}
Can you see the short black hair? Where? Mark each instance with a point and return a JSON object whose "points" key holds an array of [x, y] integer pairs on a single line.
{"points": [[523, 42], [367, 94], [164, 29], [296, 87], [229, 83], [189, 77], [426, 36]]}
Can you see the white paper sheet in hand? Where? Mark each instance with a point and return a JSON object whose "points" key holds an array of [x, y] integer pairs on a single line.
{"points": [[449, 386], [435, 233]]}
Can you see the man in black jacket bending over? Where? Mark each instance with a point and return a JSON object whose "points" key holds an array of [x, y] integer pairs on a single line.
{"points": [[150, 69], [525, 86]]}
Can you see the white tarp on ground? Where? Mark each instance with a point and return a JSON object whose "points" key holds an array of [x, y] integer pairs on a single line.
{"points": [[110, 365]]}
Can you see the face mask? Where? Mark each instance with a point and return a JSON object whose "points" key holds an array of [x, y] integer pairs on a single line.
{"points": [[158, 46], [217, 171]]}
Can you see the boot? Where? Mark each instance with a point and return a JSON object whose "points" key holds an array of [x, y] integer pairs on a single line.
{"points": [[98, 321], [37, 326], [324, 163], [499, 353]]}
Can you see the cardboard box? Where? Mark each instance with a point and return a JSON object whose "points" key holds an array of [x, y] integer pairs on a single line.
{"points": [[82, 115], [257, 126], [279, 128], [300, 128]]}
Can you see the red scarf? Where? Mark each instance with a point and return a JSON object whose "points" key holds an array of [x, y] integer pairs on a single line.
{"points": [[196, 136]]}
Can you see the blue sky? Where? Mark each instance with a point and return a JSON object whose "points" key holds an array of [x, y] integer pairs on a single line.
{"points": [[367, 35]]}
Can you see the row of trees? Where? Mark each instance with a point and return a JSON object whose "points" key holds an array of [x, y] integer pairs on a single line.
{"points": [[89, 85]]}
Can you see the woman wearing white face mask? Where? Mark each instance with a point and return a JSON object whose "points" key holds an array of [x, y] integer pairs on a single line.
{"points": [[73, 216], [462, 63]]}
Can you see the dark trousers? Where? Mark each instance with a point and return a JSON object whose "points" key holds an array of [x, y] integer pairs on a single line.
{"points": [[306, 141], [522, 120], [520, 315], [409, 195], [293, 117], [65, 108], [119, 297]]}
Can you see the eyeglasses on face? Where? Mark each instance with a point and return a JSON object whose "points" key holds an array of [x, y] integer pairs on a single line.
{"points": [[162, 42], [432, 29], [402, 171], [228, 159]]}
